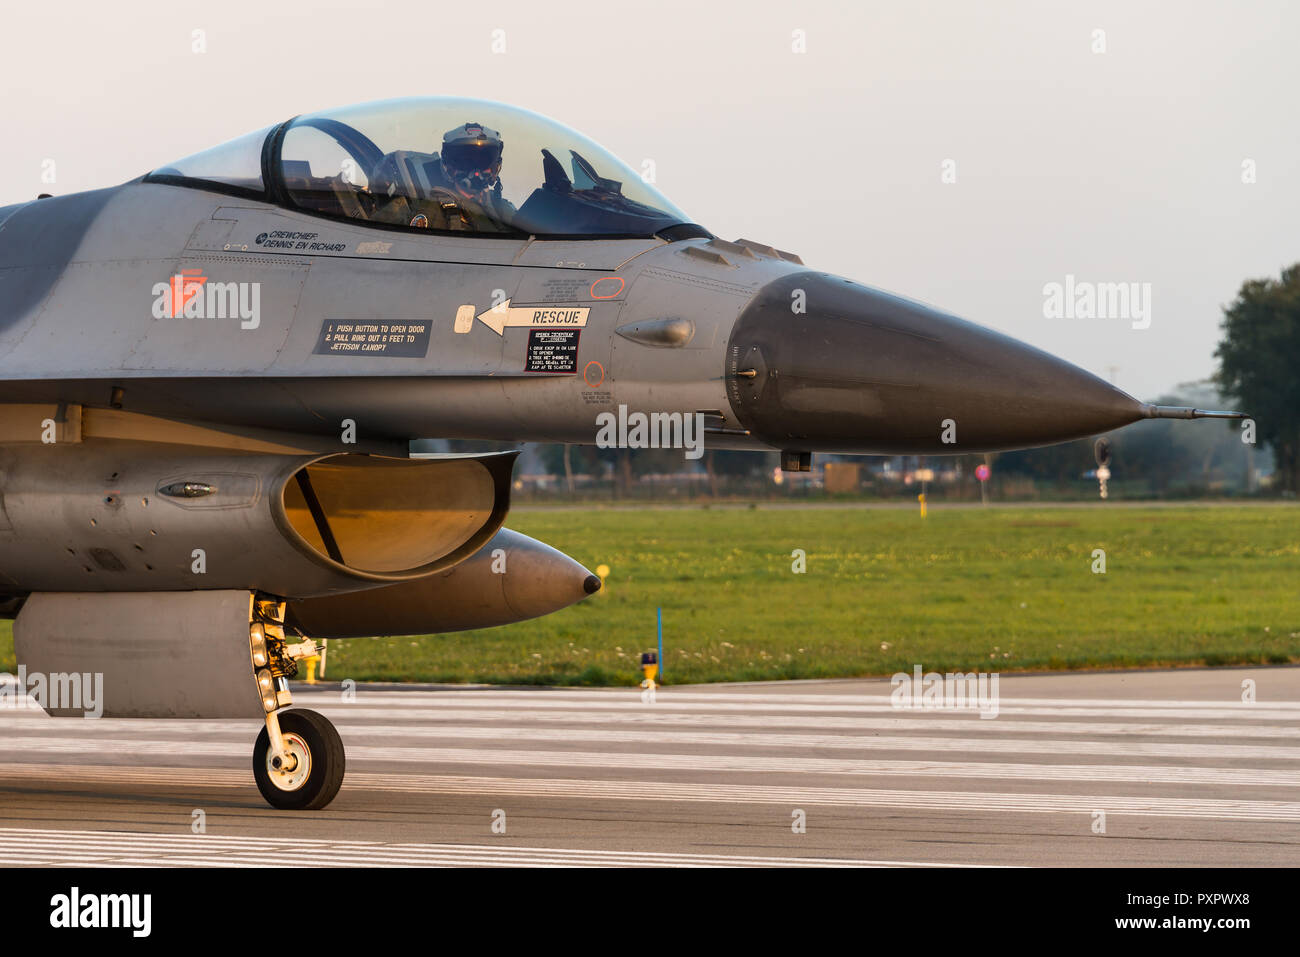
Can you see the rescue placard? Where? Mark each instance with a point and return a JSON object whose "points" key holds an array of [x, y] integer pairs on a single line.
{"points": [[552, 350], [402, 339], [501, 317]]}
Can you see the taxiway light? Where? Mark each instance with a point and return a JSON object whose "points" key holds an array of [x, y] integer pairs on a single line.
{"points": [[649, 668]]}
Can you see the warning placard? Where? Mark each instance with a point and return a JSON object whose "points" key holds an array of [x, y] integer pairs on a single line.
{"points": [[552, 350], [404, 338]]}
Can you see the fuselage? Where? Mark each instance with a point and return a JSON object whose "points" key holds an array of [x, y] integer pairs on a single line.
{"points": [[398, 332]]}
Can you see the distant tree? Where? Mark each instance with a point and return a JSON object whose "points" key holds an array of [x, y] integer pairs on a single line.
{"points": [[1258, 362]]}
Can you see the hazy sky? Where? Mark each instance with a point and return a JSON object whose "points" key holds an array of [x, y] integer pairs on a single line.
{"points": [[1116, 166]]}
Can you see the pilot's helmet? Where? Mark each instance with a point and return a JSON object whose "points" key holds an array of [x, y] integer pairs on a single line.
{"points": [[471, 155]]}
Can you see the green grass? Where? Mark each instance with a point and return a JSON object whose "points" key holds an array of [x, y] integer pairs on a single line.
{"points": [[1004, 589]]}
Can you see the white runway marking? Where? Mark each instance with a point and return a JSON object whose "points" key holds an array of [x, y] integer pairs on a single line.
{"points": [[131, 735], [867, 705], [584, 750], [399, 698], [501, 757], [143, 849], [659, 716], [643, 790]]}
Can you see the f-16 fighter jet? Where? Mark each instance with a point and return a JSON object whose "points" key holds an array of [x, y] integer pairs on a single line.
{"points": [[210, 377]]}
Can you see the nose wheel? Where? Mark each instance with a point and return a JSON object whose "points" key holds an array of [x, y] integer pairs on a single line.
{"points": [[307, 772]]}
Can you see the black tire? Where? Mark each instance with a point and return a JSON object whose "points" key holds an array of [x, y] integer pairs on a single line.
{"points": [[327, 762]]}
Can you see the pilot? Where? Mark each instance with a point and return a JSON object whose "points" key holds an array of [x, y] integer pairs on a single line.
{"points": [[470, 169]]}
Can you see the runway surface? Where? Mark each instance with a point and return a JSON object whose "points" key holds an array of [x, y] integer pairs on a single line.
{"points": [[1135, 768]]}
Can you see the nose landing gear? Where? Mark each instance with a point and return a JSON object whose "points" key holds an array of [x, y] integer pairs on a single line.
{"points": [[298, 760]]}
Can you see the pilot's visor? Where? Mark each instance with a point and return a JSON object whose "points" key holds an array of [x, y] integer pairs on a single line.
{"points": [[469, 156]]}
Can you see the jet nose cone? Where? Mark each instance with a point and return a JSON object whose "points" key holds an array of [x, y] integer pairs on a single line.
{"points": [[537, 579], [859, 370]]}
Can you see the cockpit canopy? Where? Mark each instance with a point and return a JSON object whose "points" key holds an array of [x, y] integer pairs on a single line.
{"points": [[437, 164]]}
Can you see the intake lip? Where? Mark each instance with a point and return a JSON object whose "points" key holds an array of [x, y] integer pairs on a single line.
{"points": [[860, 370]]}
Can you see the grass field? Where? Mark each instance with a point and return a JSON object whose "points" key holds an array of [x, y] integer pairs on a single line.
{"points": [[998, 589]]}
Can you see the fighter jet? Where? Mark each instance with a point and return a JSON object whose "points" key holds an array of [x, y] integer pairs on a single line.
{"points": [[211, 376]]}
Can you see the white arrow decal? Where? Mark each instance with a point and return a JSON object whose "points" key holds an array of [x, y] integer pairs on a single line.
{"points": [[556, 317]]}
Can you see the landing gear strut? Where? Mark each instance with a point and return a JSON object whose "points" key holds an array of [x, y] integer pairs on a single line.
{"points": [[298, 760]]}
